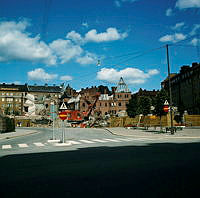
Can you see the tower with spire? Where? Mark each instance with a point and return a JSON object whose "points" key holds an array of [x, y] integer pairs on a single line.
{"points": [[122, 87]]}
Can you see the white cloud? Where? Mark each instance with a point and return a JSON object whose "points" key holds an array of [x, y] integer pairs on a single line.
{"points": [[195, 29], [66, 78], [178, 26], [183, 4], [65, 50], [111, 34], [173, 38], [74, 36], [195, 41], [130, 75], [85, 24], [119, 2], [89, 58], [17, 44], [40, 75], [169, 12]]}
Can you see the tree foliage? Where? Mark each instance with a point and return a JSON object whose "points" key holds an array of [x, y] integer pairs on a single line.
{"points": [[131, 107], [138, 105], [160, 99]]}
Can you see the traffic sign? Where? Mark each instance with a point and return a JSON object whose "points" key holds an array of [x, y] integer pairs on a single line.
{"points": [[166, 103], [63, 106], [166, 108], [63, 115]]}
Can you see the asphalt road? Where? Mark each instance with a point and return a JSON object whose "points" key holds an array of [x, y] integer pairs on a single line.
{"points": [[110, 169]]}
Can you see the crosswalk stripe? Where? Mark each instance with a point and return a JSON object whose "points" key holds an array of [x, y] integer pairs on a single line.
{"points": [[97, 140], [39, 144], [86, 141], [6, 146], [23, 145], [125, 139], [112, 140], [74, 142]]}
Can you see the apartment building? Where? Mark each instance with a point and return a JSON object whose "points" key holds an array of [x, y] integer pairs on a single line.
{"points": [[12, 98], [185, 87], [28, 99]]}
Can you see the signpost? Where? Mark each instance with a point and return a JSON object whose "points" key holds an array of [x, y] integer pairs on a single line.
{"points": [[53, 117], [166, 106], [63, 117]]}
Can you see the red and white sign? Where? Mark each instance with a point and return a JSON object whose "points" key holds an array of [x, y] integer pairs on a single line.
{"points": [[166, 108], [63, 115]]}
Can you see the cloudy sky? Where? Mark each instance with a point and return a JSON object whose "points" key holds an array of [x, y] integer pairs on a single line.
{"points": [[88, 43]]}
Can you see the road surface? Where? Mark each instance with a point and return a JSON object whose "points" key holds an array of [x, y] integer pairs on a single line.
{"points": [[125, 167]]}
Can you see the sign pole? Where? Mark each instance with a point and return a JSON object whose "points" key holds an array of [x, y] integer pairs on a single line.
{"points": [[53, 110], [63, 132]]}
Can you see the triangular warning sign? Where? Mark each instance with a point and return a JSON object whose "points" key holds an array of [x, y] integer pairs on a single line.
{"points": [[166, 102], [63, 106]]}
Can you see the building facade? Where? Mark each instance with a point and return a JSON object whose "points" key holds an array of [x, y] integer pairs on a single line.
{"points": [[106, 101], [185, 87], [12, 98], [28, 99]]}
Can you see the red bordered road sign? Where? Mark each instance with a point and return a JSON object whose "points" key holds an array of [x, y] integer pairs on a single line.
{"points": [[63, 115], [166, 108]]}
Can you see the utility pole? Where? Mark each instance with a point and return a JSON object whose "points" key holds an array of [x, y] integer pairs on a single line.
{"points": [[170, 91]]}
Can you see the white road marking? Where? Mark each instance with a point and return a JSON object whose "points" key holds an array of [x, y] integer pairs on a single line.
{"points": [[86, 141], [112, 140], [53, 141], [125, 139], [6, 146], [63, 144], [74, 142], [23, 145], [39, 144], [97, 140]]}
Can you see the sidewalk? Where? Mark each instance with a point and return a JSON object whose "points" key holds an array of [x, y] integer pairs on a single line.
{"points": [[186, 133], [18, 132]]}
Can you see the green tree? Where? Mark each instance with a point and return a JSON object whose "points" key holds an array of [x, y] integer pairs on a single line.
{"points": [[132, 107], [160, 99], [144, 105], [7, 111]]}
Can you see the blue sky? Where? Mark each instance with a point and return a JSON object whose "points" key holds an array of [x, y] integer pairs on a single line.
{"points": [[89, 43]]}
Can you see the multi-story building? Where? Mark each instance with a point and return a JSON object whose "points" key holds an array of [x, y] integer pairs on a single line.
{"points": [[12, 98], [107, 102], [185, 87], [28, 99]]}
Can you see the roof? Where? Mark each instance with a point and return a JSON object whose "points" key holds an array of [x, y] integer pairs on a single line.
{"points": [[45, 89], [13, 87], [122, 87]]}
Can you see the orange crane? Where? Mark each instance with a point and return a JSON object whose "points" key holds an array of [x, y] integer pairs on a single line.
{"points": [[76, 117]]}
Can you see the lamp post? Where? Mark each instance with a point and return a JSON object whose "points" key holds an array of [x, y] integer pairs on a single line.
{"points": [[170, 91]]}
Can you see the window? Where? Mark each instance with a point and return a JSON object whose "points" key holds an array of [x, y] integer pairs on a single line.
{"points": [[9, 99], [3, 99], [83, 104], [120, 104], [105, 104]]}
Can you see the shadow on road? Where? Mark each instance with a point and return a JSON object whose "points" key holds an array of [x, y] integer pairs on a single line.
{"points": [[156, 170]]}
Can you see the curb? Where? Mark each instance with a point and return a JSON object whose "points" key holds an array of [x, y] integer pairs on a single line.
{"points": [[19, 135]]}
